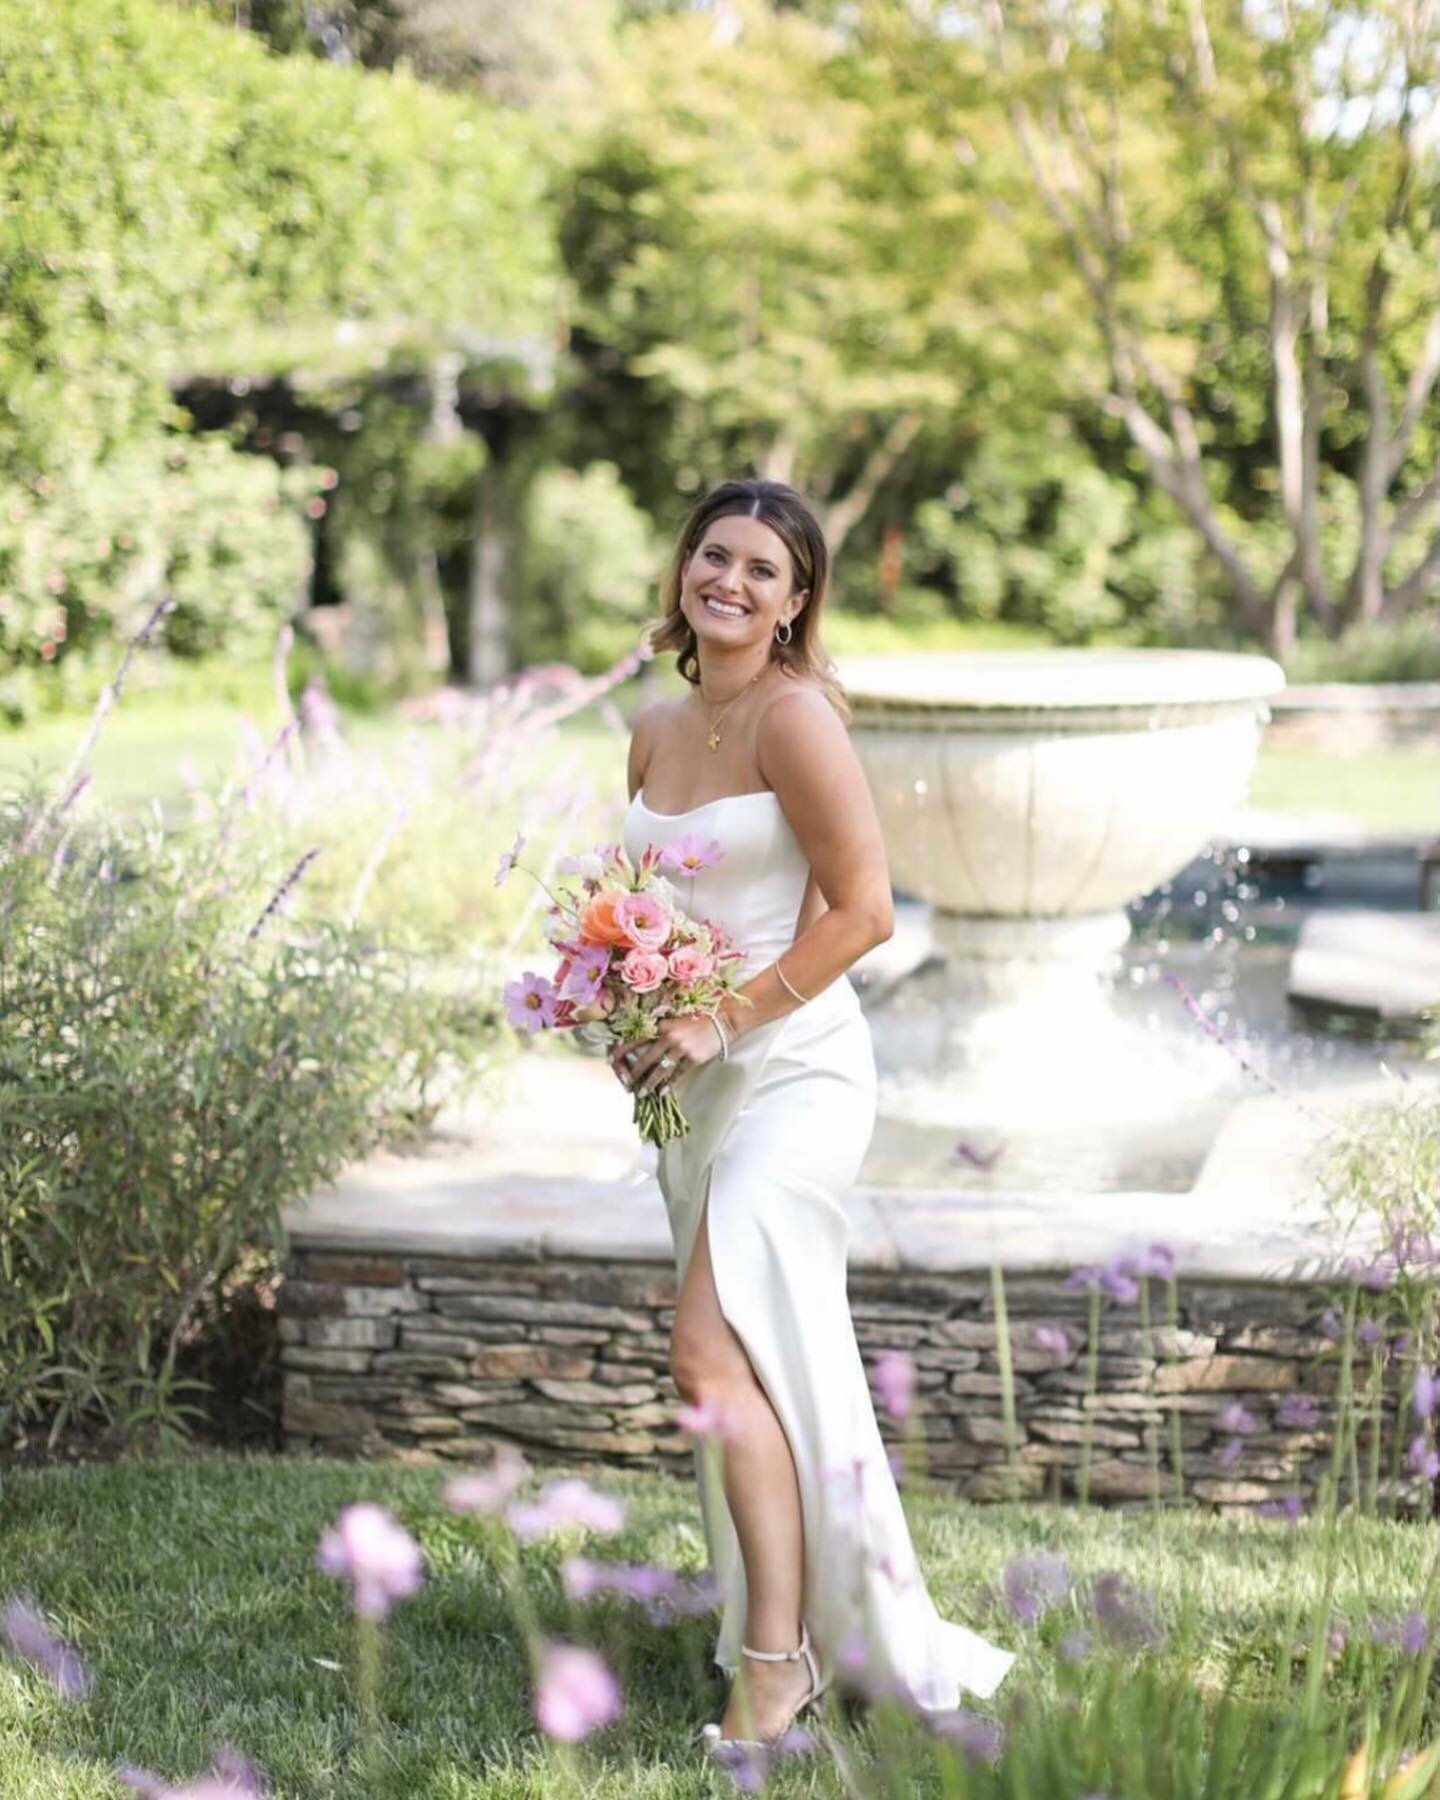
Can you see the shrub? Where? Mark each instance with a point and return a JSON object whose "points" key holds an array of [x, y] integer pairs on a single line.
{"points": [[83, 551], [590, 568], [1405, 650], [179, 1063]]}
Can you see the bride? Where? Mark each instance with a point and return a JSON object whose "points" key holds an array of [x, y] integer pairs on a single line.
{"points": [[753, 768]]}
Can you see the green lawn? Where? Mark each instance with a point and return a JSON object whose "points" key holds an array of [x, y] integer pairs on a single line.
{"points": [[1394, 789], [146, 750], [189, 1584]]}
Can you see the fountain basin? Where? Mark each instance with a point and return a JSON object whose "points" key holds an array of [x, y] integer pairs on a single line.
{"points": [[1053, 784]]}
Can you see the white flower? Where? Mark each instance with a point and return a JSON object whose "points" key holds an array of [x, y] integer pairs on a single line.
{"points": [[662, 890], [590, 866], [556, 926]]}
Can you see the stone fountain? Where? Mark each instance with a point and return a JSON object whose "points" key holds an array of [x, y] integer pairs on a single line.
{"points": [[1028, 796]]}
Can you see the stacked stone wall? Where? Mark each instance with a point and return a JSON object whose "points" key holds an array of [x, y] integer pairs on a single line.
{"points": [[435, 1358]]}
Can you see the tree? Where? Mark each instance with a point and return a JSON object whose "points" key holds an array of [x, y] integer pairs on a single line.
{"points": [[1245, 201], [739, 299]]}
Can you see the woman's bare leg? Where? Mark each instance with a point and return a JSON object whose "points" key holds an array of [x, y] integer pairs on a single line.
{"points": [[708, 1362]]}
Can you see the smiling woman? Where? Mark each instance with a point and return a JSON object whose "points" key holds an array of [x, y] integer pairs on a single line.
{"points": [[803, 1521]]}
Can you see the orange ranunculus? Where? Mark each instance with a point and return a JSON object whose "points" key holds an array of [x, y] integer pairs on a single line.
{"points": [[598, 922]]}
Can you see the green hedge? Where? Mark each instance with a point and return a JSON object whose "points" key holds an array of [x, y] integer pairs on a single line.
{"points": [[176, 198]]}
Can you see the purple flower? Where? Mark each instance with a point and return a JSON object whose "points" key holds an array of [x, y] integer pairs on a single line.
{"points": [[1286, 1506], [1033, 1584], [575, 1692], [1425, 1393], [980, 1740], [1054, 1340], [1229, 1452], [1368, 1333], [1157, 1263], [1084, 1280], [897, 1464], [1117, 1281], [690, 854], [894, 1376], [568, 1502], [530, 1002], [1235, 1417], [1377, 1274], [230, 1777], [1422, 1459], [508, 859], [488, 1490], [1075, 1646], [375, 1554], [586, 974], [1297, 1412], [1125, 1615], [1331, 1325], [1410, 1632], [29, 1637]]}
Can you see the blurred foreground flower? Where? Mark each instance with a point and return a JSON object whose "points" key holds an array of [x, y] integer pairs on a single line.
{"points": [[230, 1777], [30, 1638], [894, 1376], [568, 1502], [1033, 1584], [980, 1740], [487, 1490], [575, 1693], [705, 1419], [1125, 1616], [375, 1554]]}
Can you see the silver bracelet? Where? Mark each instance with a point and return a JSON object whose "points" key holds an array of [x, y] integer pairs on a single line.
{"points": [[714, 1019], [794, 990]]}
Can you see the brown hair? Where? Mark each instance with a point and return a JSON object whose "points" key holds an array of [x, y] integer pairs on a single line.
{"points": [[790, 516]]}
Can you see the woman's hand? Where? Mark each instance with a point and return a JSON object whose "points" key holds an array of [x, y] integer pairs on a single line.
{"points": [[681, 1044]]}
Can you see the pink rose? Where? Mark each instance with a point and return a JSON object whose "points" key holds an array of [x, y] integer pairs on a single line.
{"points": [[643, 970], [690, 964], [643, 920]]}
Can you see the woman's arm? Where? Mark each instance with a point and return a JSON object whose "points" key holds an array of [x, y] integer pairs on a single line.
{"points": [[806, 756]]}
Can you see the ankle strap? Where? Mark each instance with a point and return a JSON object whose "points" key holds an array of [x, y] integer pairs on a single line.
{"points": [[780, 1655]]}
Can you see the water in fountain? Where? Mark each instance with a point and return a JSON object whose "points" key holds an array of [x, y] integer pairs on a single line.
{"points": [[1101, 1077]]}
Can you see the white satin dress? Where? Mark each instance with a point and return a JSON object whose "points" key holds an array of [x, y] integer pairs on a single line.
{"points": [[777, 1135]]}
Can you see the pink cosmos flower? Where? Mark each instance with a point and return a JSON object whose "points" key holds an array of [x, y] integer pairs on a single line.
{"points": [[690, 854], [375, 1554], [488, 1489], [530, 1002], [689, 964], [895, 1382], [643, 970], [575, 1692], [567, 1502], [29, 1637], [584, 974], [644, 920]]}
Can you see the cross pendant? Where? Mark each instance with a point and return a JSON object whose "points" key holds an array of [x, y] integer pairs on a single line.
{"points": [[713, 741]]}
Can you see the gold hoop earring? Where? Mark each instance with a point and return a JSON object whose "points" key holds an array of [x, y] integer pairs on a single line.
{"points": [[785, 626]]}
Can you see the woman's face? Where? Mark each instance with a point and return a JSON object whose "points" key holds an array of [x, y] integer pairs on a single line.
{"points": [[735, 588]]}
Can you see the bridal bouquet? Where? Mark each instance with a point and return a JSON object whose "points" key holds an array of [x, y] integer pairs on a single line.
{"points": [[630, 956]]}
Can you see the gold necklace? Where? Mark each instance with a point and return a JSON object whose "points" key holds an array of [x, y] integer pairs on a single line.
{"points": [[712, 739]]}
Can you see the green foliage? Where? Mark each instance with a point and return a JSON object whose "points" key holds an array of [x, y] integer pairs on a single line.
{"points": [[173, 197], [1037, 533], [179, 1063], [85, 552], [1408, 650], [590, 567]]}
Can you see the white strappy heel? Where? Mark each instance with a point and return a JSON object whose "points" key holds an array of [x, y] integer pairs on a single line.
{"points": [[710, 1734]]}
